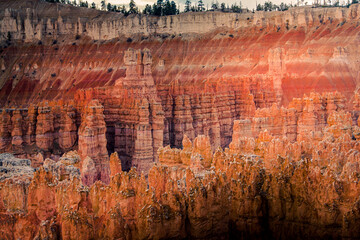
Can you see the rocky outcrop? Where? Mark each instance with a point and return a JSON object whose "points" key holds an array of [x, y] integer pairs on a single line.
{"points": [[134, 115], [92, 141], [66, 168], [89, 173], [160, 87], [35, 24], [30, 125], [15, 168], [5, 126], [45, 128], [261, 108], [259, 187], [17, 131], [67, 127], [303, 119], [115, 164]]}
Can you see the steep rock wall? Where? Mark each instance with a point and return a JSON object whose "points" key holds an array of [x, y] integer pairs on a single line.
{"points": [[37, 20], [258, 187]]}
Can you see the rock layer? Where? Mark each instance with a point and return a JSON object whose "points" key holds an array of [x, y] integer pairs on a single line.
{"points": [[259, 187], [262, 108]]}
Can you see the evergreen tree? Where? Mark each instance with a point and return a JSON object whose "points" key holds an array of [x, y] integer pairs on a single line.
{"points": [[155, 10], [259, 7], [109, 7], [201, 6], [132, 7], [84, 4], [283, 7], [103, 5], [222, 7], [174, 9], [123, 10], [215, 6], [93, 5], [187, 6], [147, 10], [268, 6], [167, 8], [236, 8], [158, 8]]}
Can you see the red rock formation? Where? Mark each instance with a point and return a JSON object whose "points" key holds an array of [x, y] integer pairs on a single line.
{"points": [[31, 125], [17, 131], [67, 131], [285, 184], [5, 125], [291, 56], [89, 173], [92, 139], [45, 128], [290, 170], [134, 115], [115, 164]]}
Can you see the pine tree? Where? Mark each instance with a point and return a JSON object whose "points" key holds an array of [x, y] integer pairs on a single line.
{"points": [[160, 4], [174, 9], [215, 6], [187, 6], [103, 5], [84, 4], [123, 10], [201, 6], [167, 8], [109, 7], [222, 7], [259, 7], [132, 7], [93, 5], [147, 10]]}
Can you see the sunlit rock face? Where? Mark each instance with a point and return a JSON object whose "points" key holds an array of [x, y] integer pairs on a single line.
{"points": [[259, 187], [204, 125]]}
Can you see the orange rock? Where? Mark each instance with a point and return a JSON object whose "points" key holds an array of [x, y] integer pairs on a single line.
{"points": [[45, 128], [17, 131], [67, 132], [202, 147], [115, 164], [92, 139], [5, 125]]}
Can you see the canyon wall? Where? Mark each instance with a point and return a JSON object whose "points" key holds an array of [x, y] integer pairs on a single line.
{"points": [[218, 125], [34, 20], [258, 187], [168, 79]]}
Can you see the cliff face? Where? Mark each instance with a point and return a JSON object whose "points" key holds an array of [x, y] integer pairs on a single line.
{"points": [[92, 141], [264, 186], [278, 55], [219, 125], [31, 21], [199, 83]]}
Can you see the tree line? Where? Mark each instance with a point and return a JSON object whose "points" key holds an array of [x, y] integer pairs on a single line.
{"points": [[167, 7], [199, 6], [269, 6]]}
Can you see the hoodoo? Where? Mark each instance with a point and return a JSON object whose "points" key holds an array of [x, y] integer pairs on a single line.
{"points": [[217, 124]]}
